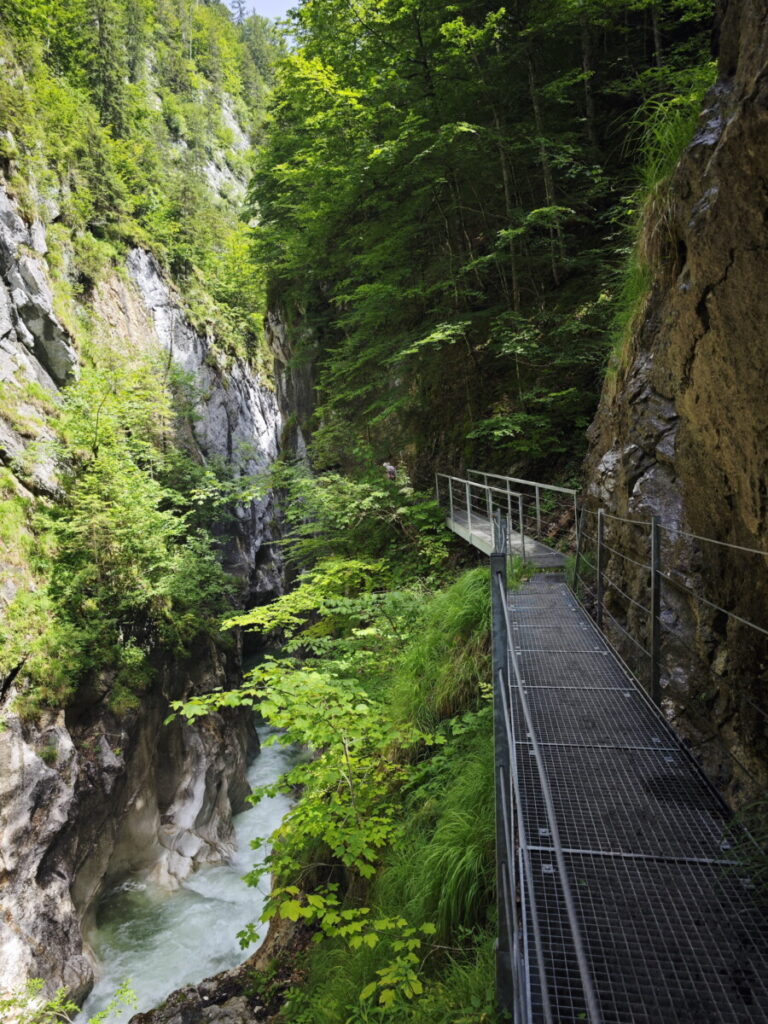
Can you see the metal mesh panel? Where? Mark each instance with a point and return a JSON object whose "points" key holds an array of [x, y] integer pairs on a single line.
{"points": [[588, 717], [672, 930], [643, 802], [666, 943]]}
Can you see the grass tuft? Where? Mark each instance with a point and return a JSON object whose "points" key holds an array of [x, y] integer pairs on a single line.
{"points": [[445, 667]]}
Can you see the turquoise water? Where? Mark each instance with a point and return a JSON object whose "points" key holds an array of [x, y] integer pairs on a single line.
{"points": [[161, 940]]}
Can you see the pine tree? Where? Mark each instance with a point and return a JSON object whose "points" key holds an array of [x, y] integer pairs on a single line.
{"points": [[108, 66]]}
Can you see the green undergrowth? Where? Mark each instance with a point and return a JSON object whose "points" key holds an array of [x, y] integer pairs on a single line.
{"points": [[439, 866], [389, 853], [124, 560]]}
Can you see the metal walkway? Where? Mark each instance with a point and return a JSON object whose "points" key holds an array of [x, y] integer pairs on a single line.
{"points": [[671, 929], [470, 506], [622, 894]]}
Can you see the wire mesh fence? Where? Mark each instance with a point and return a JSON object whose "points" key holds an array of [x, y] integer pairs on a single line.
{"points": [[624, 889]]}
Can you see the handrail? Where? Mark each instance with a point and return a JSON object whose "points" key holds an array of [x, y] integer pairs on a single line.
{"points": [[528, 483], [519, 923], [660, 577], [473, 483]]}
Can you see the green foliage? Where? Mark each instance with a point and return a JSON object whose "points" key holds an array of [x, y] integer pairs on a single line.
{"points": [[28, 1006], [439, 871], [438, 195], [665, 122], [663, 126], [331, 512], [348, 804], [111, 110], [124, 557], [446, 669], [379, 784], [325, 601]]}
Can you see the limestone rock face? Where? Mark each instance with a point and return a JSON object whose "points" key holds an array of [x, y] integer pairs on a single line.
{"points": [[82, 803], [294, 372], [682, 432], [26, 299], [86, 796], [239, 423]]}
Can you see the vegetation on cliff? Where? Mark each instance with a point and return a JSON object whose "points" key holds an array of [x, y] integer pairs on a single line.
{"points": [[384, 677], [443, 194], [447, 197], [124, 560], [130, 122], [122, 124]]}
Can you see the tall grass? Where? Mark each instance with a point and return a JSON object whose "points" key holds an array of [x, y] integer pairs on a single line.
{"points": [[444, 670], [444, 870], [442, 867], [661, 129]]}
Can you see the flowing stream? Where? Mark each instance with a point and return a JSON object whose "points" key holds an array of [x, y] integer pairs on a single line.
{"points": [[161, 940]]}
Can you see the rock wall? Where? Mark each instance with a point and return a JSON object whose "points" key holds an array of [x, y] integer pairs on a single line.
{"points": [[294, 353], [681, 432], [239, 421], [84, 802], [86, 796]]}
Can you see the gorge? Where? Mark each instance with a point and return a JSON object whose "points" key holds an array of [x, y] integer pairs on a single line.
{"points": [[240, 272]]}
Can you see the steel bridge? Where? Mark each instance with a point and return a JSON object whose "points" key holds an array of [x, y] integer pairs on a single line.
{"points": [[624, 892]]}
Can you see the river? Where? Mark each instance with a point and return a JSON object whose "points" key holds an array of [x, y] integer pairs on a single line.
{"points": [[160, 940]]}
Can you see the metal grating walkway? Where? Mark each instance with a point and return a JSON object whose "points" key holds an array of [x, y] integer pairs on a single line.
{"points": [[478, 530], [673, 931]]}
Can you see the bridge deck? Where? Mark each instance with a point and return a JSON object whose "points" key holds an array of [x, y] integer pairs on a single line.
{"points": [[674, 933], [479, 533]]}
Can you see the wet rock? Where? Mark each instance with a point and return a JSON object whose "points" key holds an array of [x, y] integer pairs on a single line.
{"points": [[89, 797], [252, 992], [681, 433]]}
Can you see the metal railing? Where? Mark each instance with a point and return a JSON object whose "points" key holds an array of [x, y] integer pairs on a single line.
{"points": [[532, 511], [636, 610], [624, 574]]}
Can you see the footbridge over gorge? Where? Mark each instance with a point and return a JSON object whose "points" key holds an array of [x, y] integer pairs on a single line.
{"points": [[626, 893]]}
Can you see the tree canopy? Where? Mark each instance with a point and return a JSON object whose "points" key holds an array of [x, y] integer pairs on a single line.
{"points": [[441, 196]]}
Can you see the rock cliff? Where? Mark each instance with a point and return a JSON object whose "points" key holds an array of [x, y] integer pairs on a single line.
{"points": [[85, 795], [293, 349], [680, 432]]}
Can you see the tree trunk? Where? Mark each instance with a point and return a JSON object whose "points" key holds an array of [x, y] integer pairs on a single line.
{"points": [[546, 170], [657, 49], [586, 64]]}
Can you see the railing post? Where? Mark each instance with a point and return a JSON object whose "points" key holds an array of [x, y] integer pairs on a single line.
{"points": [[489, 504], [509, 534], [502, 754], [450, 498], [469, 507], [578, 550], [522, 524], [600, 566], [576, 516], [538, 513], [655, 611]]}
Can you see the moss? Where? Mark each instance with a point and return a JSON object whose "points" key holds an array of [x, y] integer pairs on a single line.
{"points": [[49, 754]]}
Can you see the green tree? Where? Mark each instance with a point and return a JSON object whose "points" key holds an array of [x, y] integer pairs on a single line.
{"points": [[440, 192]]}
